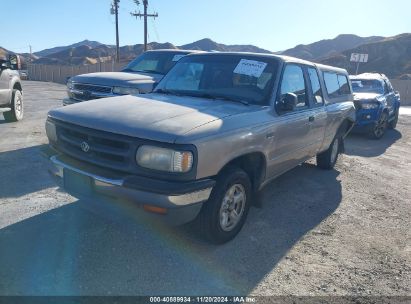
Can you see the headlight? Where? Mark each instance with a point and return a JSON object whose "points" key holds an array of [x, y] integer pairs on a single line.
{"points": [[370, 105], [125, 91], [70, 85], [164, 159], [51, 131]]}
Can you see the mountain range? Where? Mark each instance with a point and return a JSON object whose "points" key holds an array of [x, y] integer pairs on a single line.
{"points": [[389, 55]]}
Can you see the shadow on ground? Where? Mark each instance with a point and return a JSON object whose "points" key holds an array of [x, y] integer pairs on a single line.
{"points": [[23, 171], [361, 145], [102, 248]]}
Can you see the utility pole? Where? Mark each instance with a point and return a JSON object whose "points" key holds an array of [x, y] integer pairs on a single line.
{"points": [[114, 11], [145, 15], [31, 53]]}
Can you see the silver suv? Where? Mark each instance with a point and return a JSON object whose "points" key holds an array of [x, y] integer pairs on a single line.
{"points": [[11, 92], [140, 76], [214, 132]]}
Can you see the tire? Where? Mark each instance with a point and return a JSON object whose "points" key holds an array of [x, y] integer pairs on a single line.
{"points": [[217, 221], [379, 127], [17, 111], [393, 123], [327, 159]]}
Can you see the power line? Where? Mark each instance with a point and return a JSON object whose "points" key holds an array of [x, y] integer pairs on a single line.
{"points": [[145, 15]]}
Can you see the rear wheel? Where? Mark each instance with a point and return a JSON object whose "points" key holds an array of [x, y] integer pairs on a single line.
{"points": [[224, 214], [328, 158], [393, 123], [380, 126], [17, 111]]}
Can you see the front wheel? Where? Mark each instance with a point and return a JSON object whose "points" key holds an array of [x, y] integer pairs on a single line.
{"points": [[16, 112], [379, 127], [328, 158], [224, 214]]}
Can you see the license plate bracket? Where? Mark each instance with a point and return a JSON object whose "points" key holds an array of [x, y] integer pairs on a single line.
{"points": [[77, 183]]}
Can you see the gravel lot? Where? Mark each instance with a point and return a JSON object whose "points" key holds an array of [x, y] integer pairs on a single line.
{"points": [[339, 232]]}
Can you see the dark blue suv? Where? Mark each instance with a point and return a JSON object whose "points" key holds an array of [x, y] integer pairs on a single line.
{"points": [[376, 102]]}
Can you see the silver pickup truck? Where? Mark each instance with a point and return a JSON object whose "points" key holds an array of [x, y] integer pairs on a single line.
{"points": [[11, 91], [217, 128]]}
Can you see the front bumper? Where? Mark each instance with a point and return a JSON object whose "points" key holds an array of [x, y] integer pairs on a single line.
{"points": [[182, 200], [366, 119]]}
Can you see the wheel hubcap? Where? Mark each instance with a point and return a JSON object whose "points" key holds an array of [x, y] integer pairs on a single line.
{"points": [[334, 150], [232, 207], [18, 107]]}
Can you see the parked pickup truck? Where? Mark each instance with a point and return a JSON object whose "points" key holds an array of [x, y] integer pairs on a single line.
{"points": [[140, 76], [11, 92], [376, 102], [216, 129]]}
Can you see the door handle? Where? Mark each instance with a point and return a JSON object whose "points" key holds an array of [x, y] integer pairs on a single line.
{"points": [[311, 118]]}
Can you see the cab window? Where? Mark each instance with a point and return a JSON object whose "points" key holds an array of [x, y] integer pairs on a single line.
{"points": [[293, 82]]}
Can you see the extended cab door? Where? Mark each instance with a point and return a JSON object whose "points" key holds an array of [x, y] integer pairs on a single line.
{"points": [[294, 138], [318, 111]]}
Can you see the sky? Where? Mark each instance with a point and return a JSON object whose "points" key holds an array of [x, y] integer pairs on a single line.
{"points": [[269, 24]]}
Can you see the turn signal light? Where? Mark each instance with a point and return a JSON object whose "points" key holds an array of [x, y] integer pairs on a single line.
{"points": [[155, 209]]}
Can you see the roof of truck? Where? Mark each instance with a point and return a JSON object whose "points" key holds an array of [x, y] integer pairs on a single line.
{"points": [[369, 76], [281, 57]]}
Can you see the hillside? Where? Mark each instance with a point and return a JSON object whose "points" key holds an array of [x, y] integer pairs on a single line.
{"points": [[88, 54], [329, 47], [57, 49], [391, 56], [210, 45]]}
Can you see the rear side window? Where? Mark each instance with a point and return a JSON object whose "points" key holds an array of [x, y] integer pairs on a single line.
{"points": [[336, 84], [315, 85]]}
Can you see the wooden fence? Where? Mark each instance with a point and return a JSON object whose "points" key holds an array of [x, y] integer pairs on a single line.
{"points": [[60, 73]]}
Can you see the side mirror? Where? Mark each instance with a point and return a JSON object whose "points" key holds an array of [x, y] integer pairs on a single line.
{"points": [[15, 62], [288, 102], [4, 65]]}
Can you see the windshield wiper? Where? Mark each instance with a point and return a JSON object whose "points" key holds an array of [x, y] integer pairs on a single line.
{"points": [[148, 71], [220, 97], [167, 92], [162, 91]]}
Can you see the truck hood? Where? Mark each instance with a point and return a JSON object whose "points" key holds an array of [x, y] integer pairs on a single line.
{"points": [[125, 79], [366, 96], [151, 116]]}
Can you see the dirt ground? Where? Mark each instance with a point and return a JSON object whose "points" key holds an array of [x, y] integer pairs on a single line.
{"points": [[343, 232]]}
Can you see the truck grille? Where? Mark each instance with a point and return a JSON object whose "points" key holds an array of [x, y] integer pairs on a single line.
{"points": [[90, 91], [97, 147]]}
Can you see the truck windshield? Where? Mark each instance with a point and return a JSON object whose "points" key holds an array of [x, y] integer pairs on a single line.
{"points": [[367, 86], [154, 62], [244, 78]]}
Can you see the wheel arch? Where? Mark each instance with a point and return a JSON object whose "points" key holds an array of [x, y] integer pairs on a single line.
{"points": [[254, 164], [17, 86]]}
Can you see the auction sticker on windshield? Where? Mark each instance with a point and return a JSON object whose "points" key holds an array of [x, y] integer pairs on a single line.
{"points": [[250, 68]]}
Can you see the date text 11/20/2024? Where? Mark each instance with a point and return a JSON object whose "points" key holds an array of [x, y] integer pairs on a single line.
{"points": [[196, 299]]}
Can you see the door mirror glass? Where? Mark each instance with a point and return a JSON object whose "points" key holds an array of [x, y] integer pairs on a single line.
{"points": [[288, 102], [15, 63], [4, 65]]}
